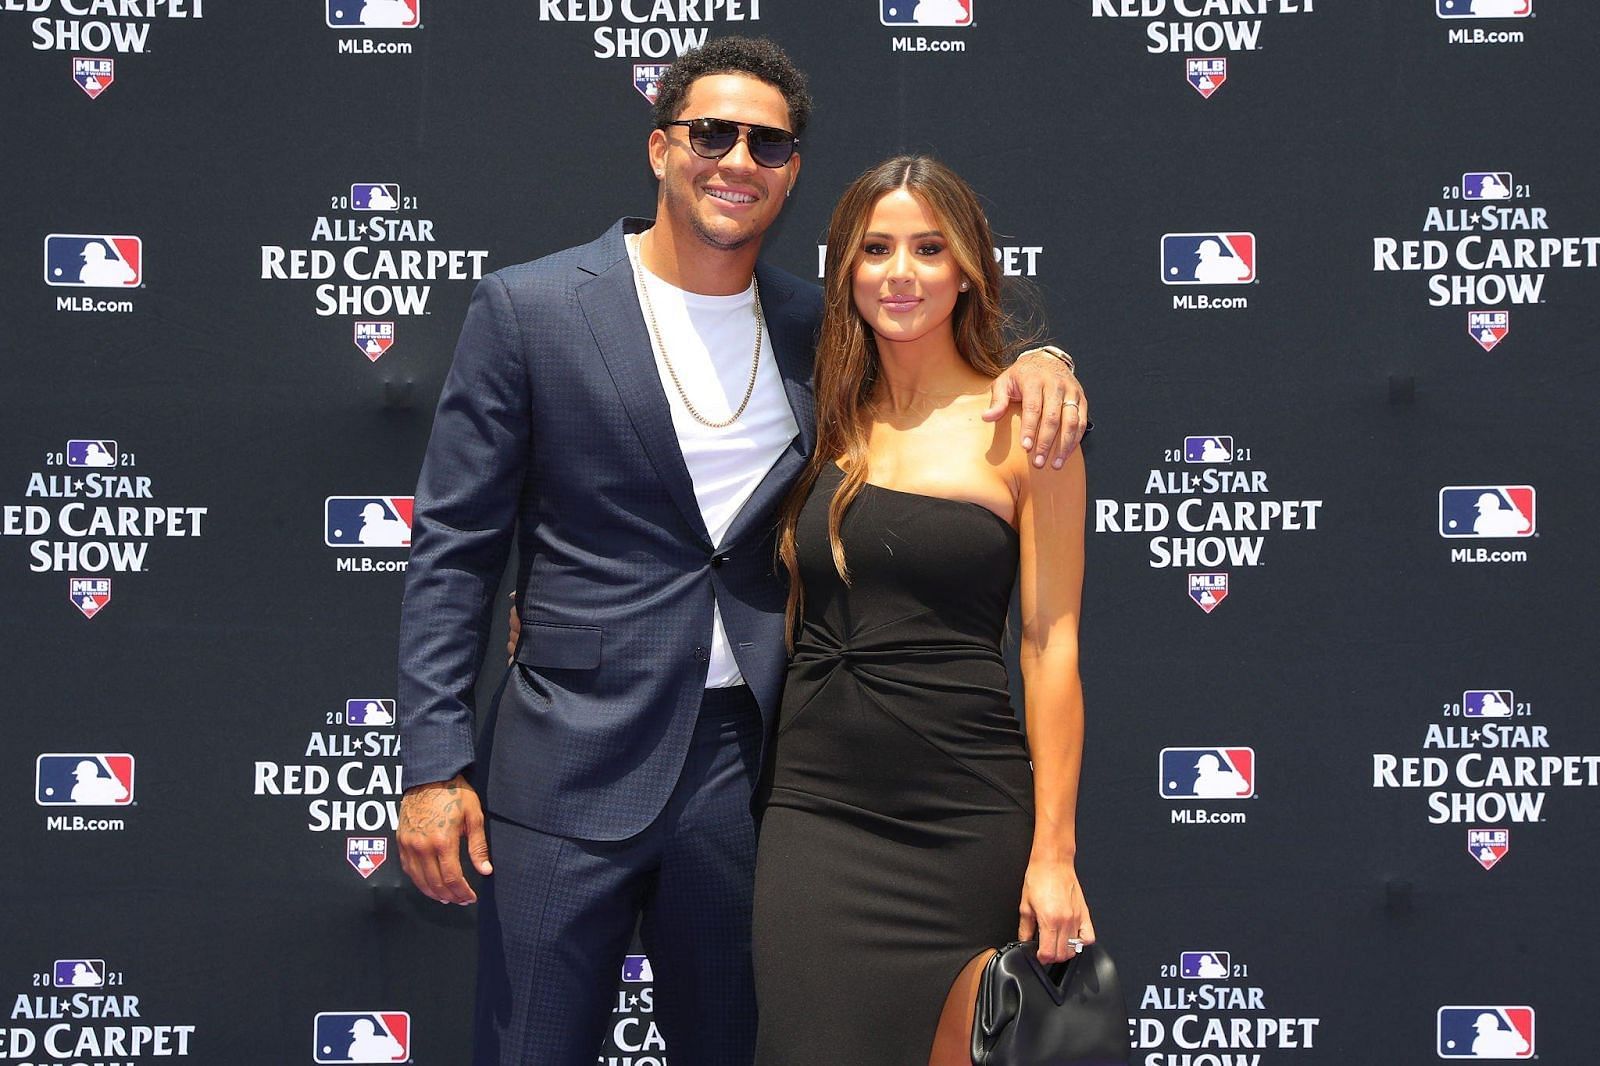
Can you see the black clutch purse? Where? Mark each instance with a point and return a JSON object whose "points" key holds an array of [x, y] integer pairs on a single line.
{"points": [[1066, 1014]]}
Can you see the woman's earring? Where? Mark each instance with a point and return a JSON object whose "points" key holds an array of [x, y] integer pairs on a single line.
{"points": [[965, 286]]}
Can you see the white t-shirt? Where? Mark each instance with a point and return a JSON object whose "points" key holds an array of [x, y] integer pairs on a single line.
{"points": [[710, 340]]}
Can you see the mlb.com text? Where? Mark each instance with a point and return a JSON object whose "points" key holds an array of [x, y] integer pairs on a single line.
{"points": [[927, 44], [360, 564]]}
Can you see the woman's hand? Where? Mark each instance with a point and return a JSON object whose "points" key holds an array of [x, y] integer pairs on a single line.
{"points": [[1053, 908]]}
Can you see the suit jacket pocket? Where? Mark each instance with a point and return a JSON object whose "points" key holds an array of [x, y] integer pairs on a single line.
{"points": [[551, 646]]}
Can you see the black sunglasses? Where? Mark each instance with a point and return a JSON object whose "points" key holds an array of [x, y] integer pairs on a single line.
{"points": [[713, 138]]}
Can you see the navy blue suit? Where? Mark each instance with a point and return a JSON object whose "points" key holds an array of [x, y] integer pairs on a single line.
{"points": [[553, 428]]}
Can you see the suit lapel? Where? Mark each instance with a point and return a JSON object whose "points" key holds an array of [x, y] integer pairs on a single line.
{"points": [[794, 346], [611, 304], [763, 502]]}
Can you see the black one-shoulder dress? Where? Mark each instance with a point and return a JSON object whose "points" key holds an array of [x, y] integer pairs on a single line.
{"points": [[900, 820]]}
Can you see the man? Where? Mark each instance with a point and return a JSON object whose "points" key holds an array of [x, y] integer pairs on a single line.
{"points": [[1213, 782], [92, 789], [635, 409], [1493, 1042], [100, 270], [1496, 521], [369, 1045]]}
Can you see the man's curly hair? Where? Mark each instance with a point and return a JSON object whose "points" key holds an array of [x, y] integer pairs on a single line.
{"points": [[756, 56]]}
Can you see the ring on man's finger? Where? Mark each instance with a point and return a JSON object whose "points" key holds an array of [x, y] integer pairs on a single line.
{"points": [[1074, 943]]}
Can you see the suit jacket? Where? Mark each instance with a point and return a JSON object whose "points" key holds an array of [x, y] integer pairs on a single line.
{"points": [[553, 428]]}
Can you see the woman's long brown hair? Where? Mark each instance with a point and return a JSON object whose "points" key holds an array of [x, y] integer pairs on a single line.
{"points": [[846, 369]]}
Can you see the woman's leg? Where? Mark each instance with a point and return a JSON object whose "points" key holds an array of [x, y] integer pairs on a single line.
{"points": [[952, 1041]]}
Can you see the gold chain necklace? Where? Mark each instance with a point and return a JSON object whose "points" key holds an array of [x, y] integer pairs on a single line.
{"points": [[661, 346]]}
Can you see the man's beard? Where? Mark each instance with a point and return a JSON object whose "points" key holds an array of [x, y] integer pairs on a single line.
{"points": [[705, 233], [716, 241]]}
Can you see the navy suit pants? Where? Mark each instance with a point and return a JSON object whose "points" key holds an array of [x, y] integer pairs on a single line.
{"points": [[558, 915]]}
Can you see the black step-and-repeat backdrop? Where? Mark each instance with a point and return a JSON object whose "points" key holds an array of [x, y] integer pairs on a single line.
{"points": [[1330, 267]]}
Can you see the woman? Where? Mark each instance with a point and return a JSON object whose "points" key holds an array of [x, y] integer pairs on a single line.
{"points": [[905, 831]]}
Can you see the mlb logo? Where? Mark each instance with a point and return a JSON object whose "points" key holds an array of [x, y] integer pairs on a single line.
{"points": [[367, 521], [362, 1036], [1208, 590], [93, 260], [1486, 511], [374, 338], [1208, 773], [366, 854], [1486, 185], [1488, 703], [374, 15], [636, 969], [1485, 1032], [1217, 449], [647, 78], [1208, 258], [1484, 9], [925, 12], [89, 594], [1488, 846], [369, 712], [1488, 328], [94, 76], [1207, 75], [1204, 965], [91, 453], [80, 973], [83, 780], [375, 196]]}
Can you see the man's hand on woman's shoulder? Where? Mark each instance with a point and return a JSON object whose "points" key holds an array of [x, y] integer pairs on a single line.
{"points": [[1055, 410]]}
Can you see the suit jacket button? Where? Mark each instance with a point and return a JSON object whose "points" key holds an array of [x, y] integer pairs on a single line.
{"points": [[717, 560]]}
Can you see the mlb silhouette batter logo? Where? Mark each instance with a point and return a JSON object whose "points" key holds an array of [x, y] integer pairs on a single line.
{"points": [[1208, 258], [1218, 449], [93, 260], [647, 78], [1488, 328], [366, 854], [636, 969], [374, 338], [368, 521], [1204, 965], [79, 973], [1486, 511], [1208, 773], [1208, 590], [89, 454], [369, 712], [81, 779], [374, 15], [1486, 185], [375, 196], [89, 595], [1488, 703], [362, 1036], [1488, 846], [1483, 9], [926, 12], [1207, 75], [94, 76], [1485, 1033]]}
